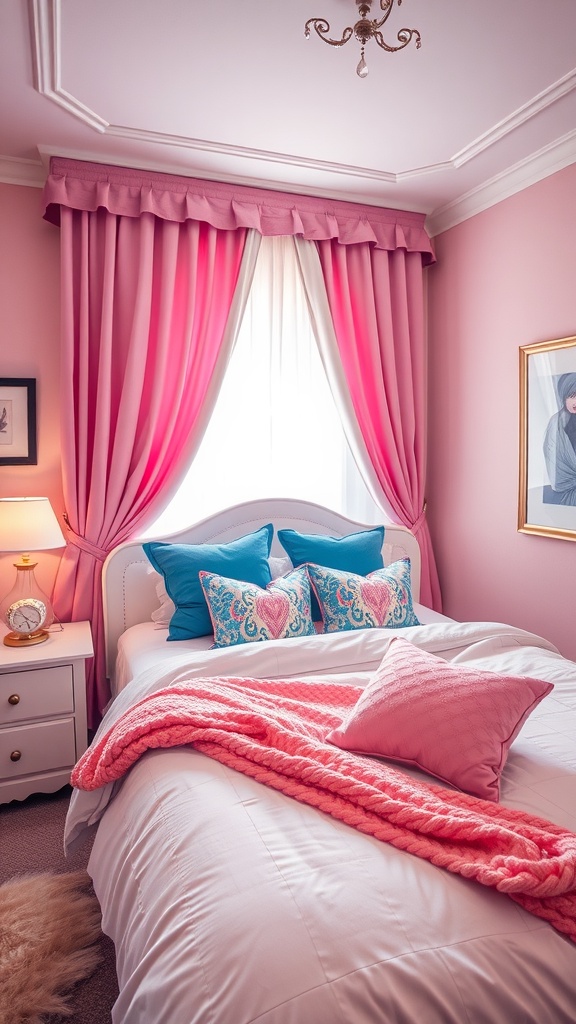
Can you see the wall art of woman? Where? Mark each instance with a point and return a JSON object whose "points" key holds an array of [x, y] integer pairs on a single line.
{"points": [[560, 445]]}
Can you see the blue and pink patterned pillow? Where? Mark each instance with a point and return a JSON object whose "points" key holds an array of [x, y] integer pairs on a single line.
{"points": [[243, 613], [356, 552], [348, 601]]}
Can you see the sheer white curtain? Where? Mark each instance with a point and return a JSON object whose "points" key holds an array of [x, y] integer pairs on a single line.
{"points": [[275, 430]]}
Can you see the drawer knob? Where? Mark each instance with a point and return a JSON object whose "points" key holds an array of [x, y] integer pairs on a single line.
{"points": [[15, 755], [14, 698]]}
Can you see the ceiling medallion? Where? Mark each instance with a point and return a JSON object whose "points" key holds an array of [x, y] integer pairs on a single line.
{"points": [[364, 30]]}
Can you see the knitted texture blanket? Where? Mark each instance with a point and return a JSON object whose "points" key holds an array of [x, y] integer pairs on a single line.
{"points": [[273, 731]]}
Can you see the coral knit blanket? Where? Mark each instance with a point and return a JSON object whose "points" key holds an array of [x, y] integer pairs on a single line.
{"points": [[274, 731]]}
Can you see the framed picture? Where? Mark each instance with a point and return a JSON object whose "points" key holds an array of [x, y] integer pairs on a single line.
{"points": [[547, 494], [18, 421]]}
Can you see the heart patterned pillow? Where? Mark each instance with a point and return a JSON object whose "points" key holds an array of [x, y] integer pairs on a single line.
{"points": [[348, 601], [243, 613]]}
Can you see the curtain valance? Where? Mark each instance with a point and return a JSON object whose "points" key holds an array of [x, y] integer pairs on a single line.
{"points": [[129, 192]]}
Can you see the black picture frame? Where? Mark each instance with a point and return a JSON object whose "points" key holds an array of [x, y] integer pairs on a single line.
{"points": [[18, 446], [547, 492]]}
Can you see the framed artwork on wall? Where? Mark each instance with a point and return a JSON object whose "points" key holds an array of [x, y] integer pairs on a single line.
{"points": [[547, 493], [18, 421]]}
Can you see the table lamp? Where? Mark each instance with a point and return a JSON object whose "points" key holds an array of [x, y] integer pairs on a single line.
{"points": [[27, 524]]}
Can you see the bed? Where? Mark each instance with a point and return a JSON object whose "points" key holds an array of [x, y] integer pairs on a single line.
{"points": [[233, 898]]}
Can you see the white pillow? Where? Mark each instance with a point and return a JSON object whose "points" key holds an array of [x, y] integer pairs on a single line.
{"points": [[161, 616], [279, 566]]}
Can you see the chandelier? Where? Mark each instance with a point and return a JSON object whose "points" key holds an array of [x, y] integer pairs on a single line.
{"points": [[364, 30]]}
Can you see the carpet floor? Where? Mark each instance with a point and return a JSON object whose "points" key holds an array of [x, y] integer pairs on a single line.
{"points": [[31, 840]]}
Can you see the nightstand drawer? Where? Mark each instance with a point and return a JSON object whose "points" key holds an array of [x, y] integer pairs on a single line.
{"points": [[43, 728], [35, 693], [35, 748]]}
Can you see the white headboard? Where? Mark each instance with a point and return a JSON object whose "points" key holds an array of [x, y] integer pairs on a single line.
{"points": [[129, 592]]}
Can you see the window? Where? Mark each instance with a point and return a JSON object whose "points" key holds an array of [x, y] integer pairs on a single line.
{"points": [[275, 430]]}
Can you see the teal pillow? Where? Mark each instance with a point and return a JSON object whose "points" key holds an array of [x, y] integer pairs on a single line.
{"points": [[359, 553], [381, 599], [242, 559], [243, 613]]}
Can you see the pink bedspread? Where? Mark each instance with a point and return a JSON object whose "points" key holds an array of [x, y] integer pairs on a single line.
{"points": [[274, 731]]}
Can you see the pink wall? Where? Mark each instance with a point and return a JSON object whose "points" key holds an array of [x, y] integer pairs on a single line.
{"points": [[29, 347], [504, 278]]}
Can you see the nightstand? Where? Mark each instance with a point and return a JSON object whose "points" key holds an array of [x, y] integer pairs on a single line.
{"points": [[43, 711]]}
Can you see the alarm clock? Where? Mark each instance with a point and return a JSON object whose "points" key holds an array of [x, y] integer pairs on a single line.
{"points": [[26, 618]]}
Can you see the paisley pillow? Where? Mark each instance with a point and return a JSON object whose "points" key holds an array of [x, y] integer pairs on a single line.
{"points": [[356, 552], [348, 601], [243, 613], [162, 615]]}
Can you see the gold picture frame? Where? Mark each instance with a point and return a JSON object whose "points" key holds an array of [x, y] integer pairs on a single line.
{"points": [[547, 479]]}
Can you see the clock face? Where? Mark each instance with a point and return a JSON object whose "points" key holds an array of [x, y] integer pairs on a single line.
{"points": [[26, 615]]}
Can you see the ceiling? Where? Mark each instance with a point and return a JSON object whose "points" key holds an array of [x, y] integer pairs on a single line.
{"points": [[232, 90]]}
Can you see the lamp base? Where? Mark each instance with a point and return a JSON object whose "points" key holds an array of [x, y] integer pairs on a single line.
{"points": [[16, 640]]}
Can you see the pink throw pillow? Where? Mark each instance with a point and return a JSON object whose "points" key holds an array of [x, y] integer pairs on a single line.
{"points": [[452, 722]]}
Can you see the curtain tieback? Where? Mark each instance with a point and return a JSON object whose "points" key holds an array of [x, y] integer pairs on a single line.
{"points": [[84, 545], [418, 523]]}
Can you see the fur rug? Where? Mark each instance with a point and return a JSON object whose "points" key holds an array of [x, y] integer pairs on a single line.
{"points": [[48, 926]]}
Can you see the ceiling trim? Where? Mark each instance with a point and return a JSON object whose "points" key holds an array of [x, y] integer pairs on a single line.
{"points": [[527, 172], [267, 156], [518, 117], [45, 29], [16, 171], [45, 26]]}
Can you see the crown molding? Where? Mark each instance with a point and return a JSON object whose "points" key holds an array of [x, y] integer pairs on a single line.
{"points": [[527, 172], [518, 117], [14, 171], [245, 152], [45, 21]]}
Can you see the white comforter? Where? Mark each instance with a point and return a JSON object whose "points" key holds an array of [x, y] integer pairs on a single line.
{"points": [[230, 903]]}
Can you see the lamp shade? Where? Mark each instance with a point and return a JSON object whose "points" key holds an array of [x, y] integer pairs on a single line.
{"points": [[29, 524]]}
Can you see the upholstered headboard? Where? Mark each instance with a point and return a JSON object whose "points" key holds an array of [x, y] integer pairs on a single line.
{"points": [[129, 591]]}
